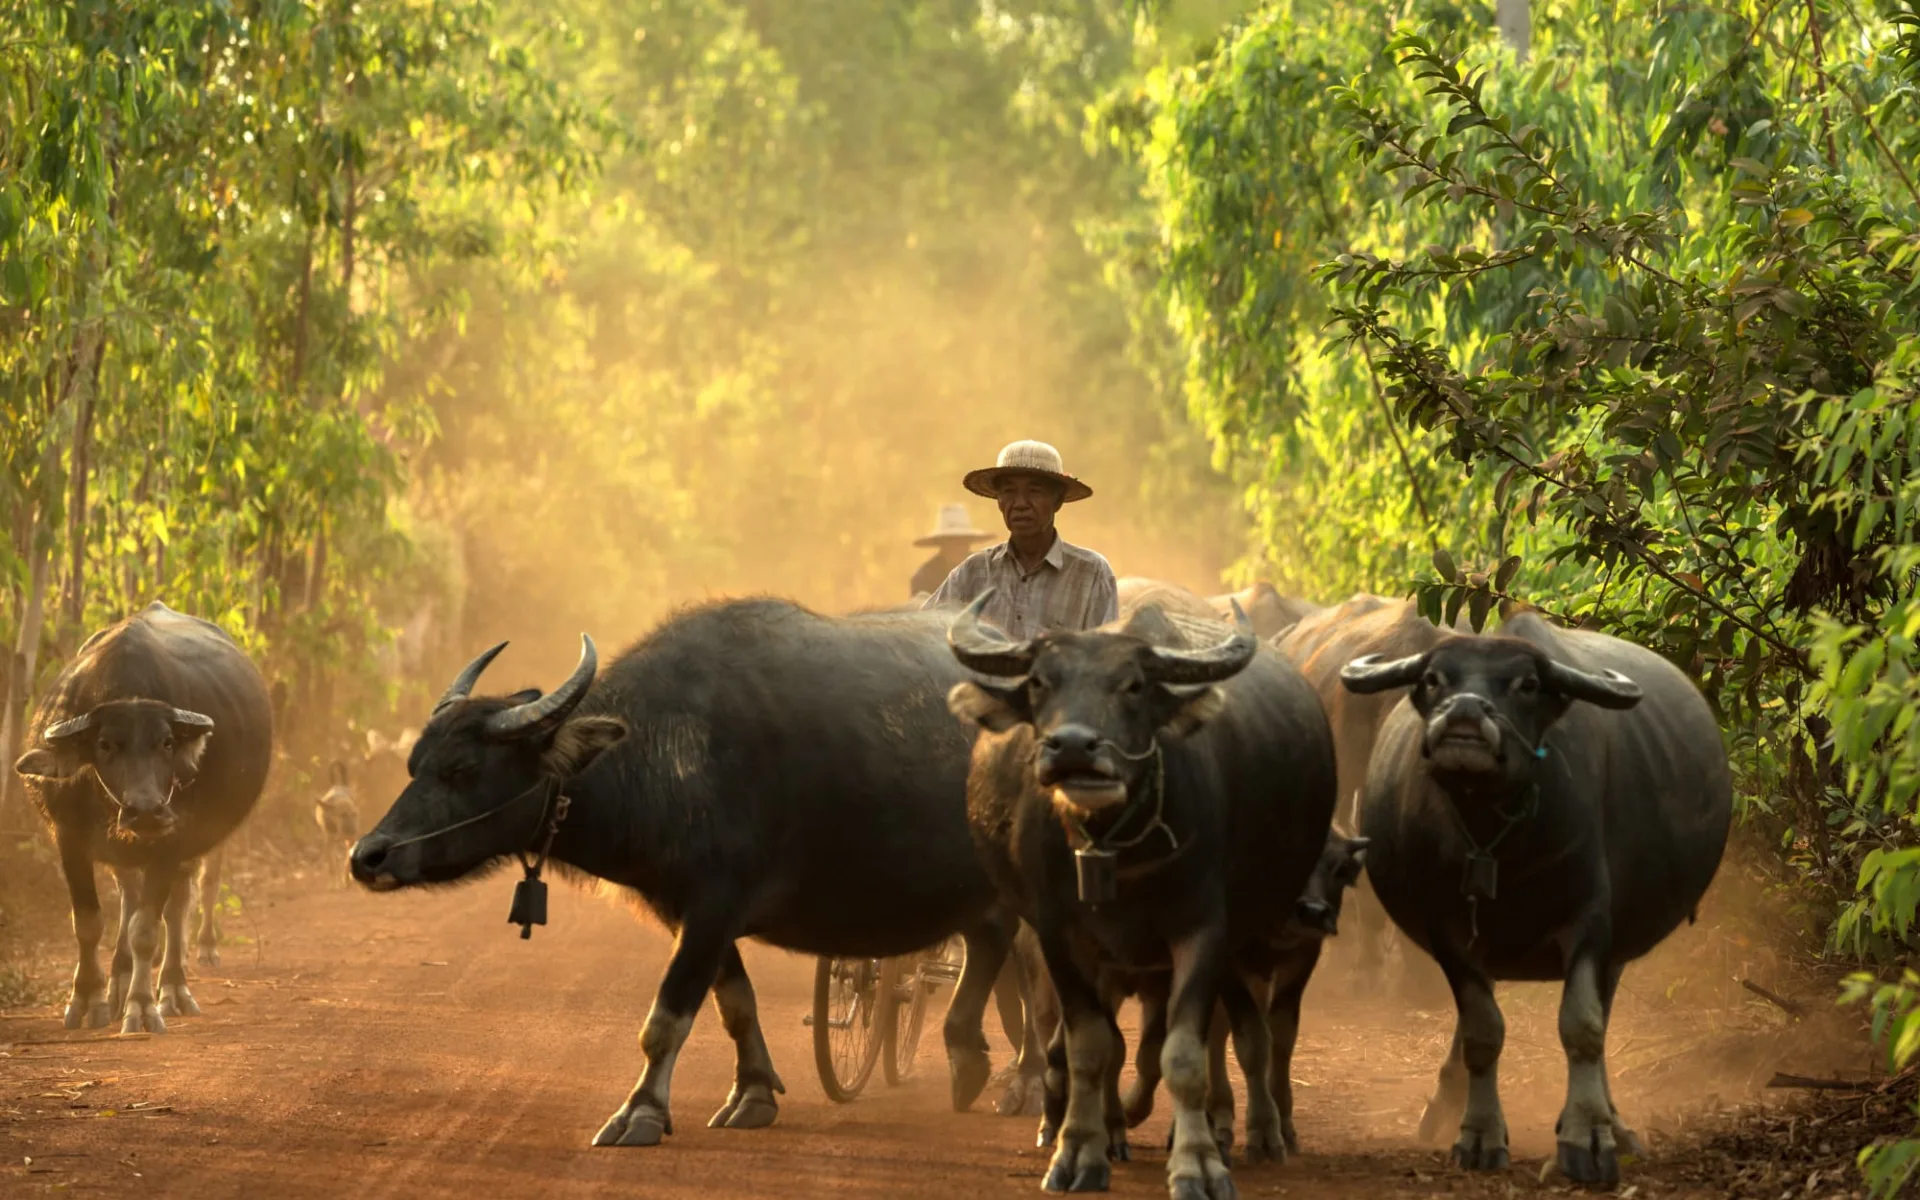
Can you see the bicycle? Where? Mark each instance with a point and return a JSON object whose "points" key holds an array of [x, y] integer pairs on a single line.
{"points": [[872, 1010]]}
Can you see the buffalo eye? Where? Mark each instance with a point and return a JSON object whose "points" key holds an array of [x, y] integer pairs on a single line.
{"points": [[1433, 681], [1527, 685], [166, 744], [1130, 686]]}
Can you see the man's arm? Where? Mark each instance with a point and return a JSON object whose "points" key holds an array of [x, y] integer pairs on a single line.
{"points": [[1103, 602]]}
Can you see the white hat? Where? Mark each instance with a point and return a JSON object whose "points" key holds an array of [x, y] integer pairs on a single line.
{"points": [[952, 524], [1028, 458]]}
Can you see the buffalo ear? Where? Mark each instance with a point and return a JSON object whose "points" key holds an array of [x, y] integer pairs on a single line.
{"points": [[1192, 705], [995, 707], [41, 765], [189, 744], [578, 742]]}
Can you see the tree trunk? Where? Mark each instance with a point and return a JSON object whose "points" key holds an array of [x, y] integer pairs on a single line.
{"points": [[77, 504], [1515, 22]]}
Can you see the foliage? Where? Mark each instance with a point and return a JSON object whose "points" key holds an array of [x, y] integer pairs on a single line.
{"points": [[216, 222]]}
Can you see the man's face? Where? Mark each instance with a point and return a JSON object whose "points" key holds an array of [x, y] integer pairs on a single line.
{"points": [[1027, 503]]}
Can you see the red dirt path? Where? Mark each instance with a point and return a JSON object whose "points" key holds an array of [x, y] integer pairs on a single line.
{"points": [[412, 1045]]}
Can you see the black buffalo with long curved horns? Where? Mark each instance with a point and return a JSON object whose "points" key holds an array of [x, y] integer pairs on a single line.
{"points": [[749, 769], [145, 754], [1545, 804], [1149, 796]]}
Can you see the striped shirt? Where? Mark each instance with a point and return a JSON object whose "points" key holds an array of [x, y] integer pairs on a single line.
{"points": [[1072, 589]]}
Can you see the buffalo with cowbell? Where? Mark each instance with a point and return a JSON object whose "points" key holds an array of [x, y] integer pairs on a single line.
{"points": [[749, 769], [1546, 804], [1146, 808]]}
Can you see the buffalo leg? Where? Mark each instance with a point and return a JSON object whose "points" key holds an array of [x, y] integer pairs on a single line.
{"points": [[1588, 1148], [128, 882], [1053, 1110], [144, 910], [968, 1065], [1477, 1041], [1195, 1169], [1253, 1046], [1283, 1020], [208, 936], [1080, 1151], [1220, 1084], [1146, 1058], [1114, 1113], [175, 999], [1026, 1091], [647, 1115], [88, 1004], [751, 1104]]}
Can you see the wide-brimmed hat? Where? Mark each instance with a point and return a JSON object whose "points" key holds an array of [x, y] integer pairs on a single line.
{"points": [[1027, 458], [952, 524]]}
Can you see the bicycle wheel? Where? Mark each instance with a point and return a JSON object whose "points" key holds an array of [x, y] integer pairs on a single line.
{"points": [[920, 976], [847, 1025], [906, 980]]}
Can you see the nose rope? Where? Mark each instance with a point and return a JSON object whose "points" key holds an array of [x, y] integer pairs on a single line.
{"points": [[475, 820]]}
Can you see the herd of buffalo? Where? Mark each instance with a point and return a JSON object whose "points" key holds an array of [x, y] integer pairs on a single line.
{"points": [[1167, 808]]}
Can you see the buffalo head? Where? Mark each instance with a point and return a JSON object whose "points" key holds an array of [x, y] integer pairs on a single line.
{"points": [[483, 773], [1317, 911], [140, 751], [1100, 703], [1488, 701]]}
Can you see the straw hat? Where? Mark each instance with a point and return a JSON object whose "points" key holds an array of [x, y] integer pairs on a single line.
{"points": [[952, 525], [1028, 458]]}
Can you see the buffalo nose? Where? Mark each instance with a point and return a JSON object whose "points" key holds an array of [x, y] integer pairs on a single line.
{"points": [[1465, 707], [1075, 742], [367, 857], [1315, 914]]}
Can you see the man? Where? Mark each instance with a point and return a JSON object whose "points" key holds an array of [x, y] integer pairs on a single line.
{"points": [[1040, 582], [952, 538]]}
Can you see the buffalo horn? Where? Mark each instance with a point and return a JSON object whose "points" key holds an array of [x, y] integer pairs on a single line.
{"points": [[538, 716], [68, 728], [1609, 689], [182, 716], [978, 651], [1367, 674], [1213, 664], [462, 685]]}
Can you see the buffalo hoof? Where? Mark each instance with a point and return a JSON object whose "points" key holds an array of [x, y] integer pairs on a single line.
{"points": [[1591, 1163], [1266, 1142], [117, 994], [1079, 1166], [1478, 1154], [634, 1127], [143, 1016], [1626, 1141], [91, 1012], [1118, 1148], [177, 1001], [1288, 1135], [1026, 1096], [209, 956], [969, 1070], [751, 1107], [1188, 1188]]}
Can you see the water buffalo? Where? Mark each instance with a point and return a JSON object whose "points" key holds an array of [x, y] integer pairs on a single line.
{"points": [[1320, 645], [1546, 804], [1279, 977], [749, 769], [1269, 611], [1141, 818], [147, 752]]}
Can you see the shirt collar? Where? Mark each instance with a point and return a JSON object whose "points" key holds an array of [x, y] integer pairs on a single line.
{"points": [[1056, 556]]}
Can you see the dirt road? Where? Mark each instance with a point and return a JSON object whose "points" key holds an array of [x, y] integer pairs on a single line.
{"points": [[412, 1045]]}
